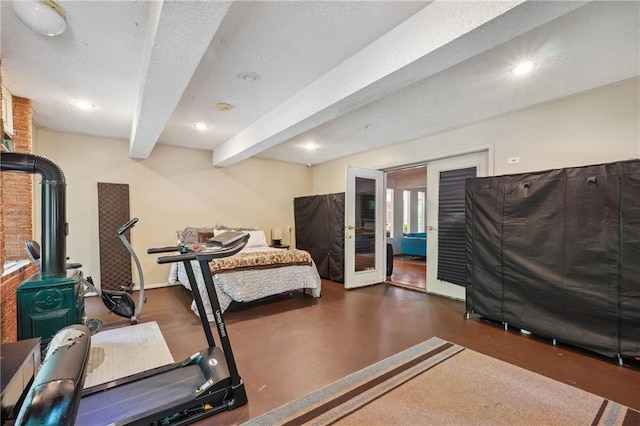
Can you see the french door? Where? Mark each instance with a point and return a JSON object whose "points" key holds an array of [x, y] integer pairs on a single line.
{"points": [[437, 217], [364, 228]]}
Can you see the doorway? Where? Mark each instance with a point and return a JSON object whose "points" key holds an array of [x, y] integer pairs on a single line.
{"points": [[405, 226], [419, 224]]}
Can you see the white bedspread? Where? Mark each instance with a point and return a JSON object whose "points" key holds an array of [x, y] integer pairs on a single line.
{"points": [[249, 285]]}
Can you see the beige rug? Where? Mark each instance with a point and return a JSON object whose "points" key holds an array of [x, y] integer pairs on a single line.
{"points": [[124, 351], [440, 383]]}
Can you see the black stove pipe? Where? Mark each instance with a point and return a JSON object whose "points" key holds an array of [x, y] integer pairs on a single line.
{"points": [[53, 259]]}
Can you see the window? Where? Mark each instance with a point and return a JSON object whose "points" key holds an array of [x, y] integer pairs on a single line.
{"points": [[406, 211], [389, 216], [421, 211]]}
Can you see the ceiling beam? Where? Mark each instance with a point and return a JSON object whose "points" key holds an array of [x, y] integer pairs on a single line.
{"points": [[439, 36], [178, 35]]}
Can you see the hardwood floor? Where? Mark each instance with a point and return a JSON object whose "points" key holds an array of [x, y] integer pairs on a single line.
{"points": [[294, 344], [409, 272]]}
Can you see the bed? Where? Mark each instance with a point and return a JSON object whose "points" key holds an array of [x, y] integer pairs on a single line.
{"points": [[258, 271]]}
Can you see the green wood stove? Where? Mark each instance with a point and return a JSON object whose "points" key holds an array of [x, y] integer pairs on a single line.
{"points": [[47, 304], [51, 299]]}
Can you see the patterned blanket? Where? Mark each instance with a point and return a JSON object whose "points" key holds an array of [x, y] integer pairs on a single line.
{"points": [[260, 260]]}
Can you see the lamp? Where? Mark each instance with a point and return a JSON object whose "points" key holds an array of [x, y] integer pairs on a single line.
{"points": [[276, 236], [45, 17]]}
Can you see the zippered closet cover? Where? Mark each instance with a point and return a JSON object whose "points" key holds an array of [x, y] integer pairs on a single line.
{"points": [[558, 253], [319, 221]]}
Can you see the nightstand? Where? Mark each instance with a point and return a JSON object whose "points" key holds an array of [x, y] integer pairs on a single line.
{"points": [[281, 246]]}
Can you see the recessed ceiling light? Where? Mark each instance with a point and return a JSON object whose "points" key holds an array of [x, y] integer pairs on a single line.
{"points": [[84, 105], [200, 126], [249, 77], [223, 106], [309, 146], [523, 68]]}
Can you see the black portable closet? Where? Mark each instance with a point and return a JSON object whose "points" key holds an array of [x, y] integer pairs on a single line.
{"points": [[319, 221], [558, 253]]}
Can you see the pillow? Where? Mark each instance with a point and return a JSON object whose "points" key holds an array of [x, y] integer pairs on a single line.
{"points": [[202, 236], [189, 235], [256, 238]]}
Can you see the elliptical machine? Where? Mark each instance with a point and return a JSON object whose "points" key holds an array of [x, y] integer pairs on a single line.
{"points": [[120, 302]]}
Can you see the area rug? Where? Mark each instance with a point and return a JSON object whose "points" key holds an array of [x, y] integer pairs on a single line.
{"points": [[124, 351], [440, 383]]}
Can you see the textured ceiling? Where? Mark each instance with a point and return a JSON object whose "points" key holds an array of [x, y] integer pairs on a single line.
{"points": [[342, 76]]}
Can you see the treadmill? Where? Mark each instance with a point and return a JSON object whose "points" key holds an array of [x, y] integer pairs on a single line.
{"points": [[204, 384]]}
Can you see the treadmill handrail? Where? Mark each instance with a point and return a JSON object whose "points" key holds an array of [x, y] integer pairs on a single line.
{"points": [[203, 255], [177, 258], [155, 250]]}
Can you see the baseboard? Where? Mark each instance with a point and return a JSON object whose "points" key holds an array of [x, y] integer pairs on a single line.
{"points": [[146, 287], [154, 285], [406, 286]]}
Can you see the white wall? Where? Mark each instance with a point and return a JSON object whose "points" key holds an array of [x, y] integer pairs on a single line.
{"points": [[595, 127], [172, 189]]}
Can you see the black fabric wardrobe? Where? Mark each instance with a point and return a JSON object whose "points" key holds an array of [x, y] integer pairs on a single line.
{"points": [[558, 253], [319, 222]]}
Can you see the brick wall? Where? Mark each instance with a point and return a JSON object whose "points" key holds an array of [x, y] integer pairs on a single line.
{"points": [[16, 220], [17, 194], [8, 289], [3, 254]]}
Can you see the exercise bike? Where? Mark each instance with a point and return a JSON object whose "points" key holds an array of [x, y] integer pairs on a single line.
{"points": [[120, 302]]}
